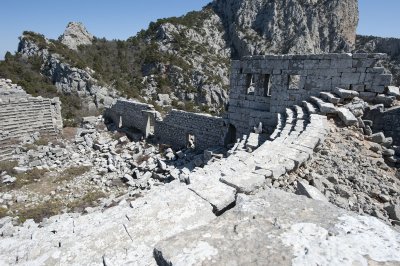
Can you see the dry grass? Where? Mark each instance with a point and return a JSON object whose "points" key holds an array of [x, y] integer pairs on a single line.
{"points": [[41, 211], [69, 133], [23, 179], [55, 207], [142, 158], [89, 200], [71, 173], [3, 212], [8, 166]]}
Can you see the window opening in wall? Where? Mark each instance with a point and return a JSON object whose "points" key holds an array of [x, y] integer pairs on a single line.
{"points": [[250, 84], [294, 82], [267, 85], [190, 141]]}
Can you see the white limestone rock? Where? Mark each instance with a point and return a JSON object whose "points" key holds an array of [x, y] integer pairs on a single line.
{"points": [[118, 236], [76, 34], [278, 228]]}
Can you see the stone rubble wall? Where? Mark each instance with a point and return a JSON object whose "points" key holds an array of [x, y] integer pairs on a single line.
{"points": [[173, 129], [386, 121], [312, 74]]}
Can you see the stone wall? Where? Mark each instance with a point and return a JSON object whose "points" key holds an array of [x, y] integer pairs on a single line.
{"points": [[21, 117], [262, 86], [129, 114], [173, 129], [387, 121], [176, 127]]}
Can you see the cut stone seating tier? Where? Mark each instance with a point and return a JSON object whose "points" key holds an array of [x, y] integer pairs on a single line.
{"points": [[244, 172], [25, 116]]}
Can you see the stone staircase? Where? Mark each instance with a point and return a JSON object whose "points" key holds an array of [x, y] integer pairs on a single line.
{"points": [[22, 117], [297, 134]]}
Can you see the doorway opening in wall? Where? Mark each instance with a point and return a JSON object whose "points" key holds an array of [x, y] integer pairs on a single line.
{"points": [[190, 141], [150, 125], [294, 82], [267, 85], [250, 86], [230, 137], [120, 122]]}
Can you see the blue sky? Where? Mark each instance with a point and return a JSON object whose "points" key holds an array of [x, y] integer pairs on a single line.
{"points": [[120, 19]]}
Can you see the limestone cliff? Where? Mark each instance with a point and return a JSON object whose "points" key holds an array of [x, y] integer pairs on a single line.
{"points": [[288, 26], [76, 34]]}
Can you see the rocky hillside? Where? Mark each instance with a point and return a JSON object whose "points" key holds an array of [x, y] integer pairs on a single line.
{"points": [[390, 46], [180, 61]]}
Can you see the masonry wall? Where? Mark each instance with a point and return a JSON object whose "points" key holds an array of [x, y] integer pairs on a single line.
{"points": [[387, 121], [174, 128], [129, 113], [282, 81], [207, 130]]}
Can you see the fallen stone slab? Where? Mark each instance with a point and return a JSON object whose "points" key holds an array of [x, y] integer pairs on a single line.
{"points": [[378, 137], [393, 91], [345, 94], [347, 117], [278, 228], [324, 107], [118, 236], [219, 195], [244, 182]]}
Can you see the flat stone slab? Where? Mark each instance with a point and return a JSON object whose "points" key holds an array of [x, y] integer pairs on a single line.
{"points": [[324, 107], [244, 182], [347, 117], [219, 195], [345, 94], [118, 236], [278, 228]]}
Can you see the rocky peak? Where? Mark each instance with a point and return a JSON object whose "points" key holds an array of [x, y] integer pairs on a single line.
{"points": [[76, 34], [289, 26]]}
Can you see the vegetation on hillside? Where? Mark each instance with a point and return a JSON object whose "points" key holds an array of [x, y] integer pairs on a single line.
{"points": [[120, 64]]}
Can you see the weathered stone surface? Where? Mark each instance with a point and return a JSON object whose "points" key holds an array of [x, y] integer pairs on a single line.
{"points": [[298, 23], [347, 117], [219, 195], [244, 182], [309, 191], [116, 236], [258, 231], [393, 91], [378, 137], [394, 212], [345, 94]]}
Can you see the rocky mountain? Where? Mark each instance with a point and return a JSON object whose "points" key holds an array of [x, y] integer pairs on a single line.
{"points": [[389, 46], [184, 62], [288, 26], [76, 34]]}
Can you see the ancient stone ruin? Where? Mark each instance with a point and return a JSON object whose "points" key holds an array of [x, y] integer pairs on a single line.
{"points": [[231, 209], [22, 115]]}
